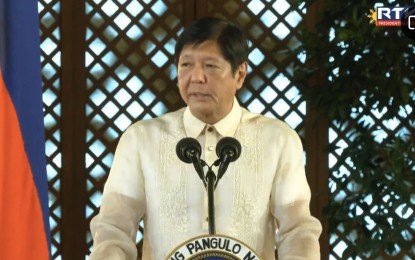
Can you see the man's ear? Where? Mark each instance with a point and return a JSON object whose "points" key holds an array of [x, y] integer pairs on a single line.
{"points": [[241, 74]]}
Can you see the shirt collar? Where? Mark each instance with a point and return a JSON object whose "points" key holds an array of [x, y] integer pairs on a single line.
{"points": [[225, 127]]}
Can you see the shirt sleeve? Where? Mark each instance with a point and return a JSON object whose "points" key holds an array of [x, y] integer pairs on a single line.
{"points": [[114, 229], [298, 232]]}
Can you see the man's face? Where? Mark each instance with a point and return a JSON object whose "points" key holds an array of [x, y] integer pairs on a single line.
{"points": [[206, 81]]}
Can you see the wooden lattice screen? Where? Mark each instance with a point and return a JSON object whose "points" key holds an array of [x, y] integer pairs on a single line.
{"points": [[109, 63], [370, 209], [49, 14]]}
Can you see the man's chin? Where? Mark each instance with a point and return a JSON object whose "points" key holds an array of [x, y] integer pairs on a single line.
{"points": [[201, 101], [201, 109]]}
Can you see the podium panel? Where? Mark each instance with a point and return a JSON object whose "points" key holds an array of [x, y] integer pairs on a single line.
{"points": [[213, 247]]}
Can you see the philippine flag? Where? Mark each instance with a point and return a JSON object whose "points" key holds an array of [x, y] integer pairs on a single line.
{"points": [[24, 218]]}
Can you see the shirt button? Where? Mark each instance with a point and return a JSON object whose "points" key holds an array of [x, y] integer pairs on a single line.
{"points": [[210, 129], [211, 148]]}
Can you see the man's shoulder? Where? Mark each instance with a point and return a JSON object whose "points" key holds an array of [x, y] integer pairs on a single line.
{"points": [[252, 117], [270, 126], [169, 118]]}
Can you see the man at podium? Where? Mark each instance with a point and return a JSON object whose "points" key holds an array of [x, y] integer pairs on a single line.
{"points": [[262, 200]]}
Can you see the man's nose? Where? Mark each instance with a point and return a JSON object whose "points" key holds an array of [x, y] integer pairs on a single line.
{"points": [[198, 75]]}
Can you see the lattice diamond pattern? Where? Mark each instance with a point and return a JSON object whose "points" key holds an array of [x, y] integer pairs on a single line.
{"points": [[271, 27], [340, 136], [50, 57], [131, 77]]}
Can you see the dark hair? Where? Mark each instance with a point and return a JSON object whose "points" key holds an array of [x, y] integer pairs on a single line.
{"points": [[230, 38]]}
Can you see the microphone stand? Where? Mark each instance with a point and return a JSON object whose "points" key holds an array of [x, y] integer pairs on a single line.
{"points": [[211, 178], [188, 150]]}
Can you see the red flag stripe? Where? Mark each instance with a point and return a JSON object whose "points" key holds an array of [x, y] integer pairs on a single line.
{"points": [[19, 201]]}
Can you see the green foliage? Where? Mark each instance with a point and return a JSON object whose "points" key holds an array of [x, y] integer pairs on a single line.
{"points": [[359, 59], [365, 68], [375, 213]]}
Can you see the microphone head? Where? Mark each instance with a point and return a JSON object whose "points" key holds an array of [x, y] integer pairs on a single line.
{"points": [[228, 146], [187, 147]]}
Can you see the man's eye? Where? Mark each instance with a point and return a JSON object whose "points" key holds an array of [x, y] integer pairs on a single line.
{"points": [[211, 66], [185, 64]]}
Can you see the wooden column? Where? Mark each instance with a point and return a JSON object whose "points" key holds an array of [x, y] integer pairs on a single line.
{"points": [[316, 144], [73, 125]]}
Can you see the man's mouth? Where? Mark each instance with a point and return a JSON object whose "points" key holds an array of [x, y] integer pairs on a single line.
{"points": [[199, 94]]}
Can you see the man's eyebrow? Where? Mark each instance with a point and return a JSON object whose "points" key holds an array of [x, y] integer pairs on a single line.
{"points": [[205, 57], [185, 56]]}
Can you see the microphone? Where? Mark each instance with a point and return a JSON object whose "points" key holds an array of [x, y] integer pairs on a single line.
{"points": [[228, 150], [189, 150]]}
